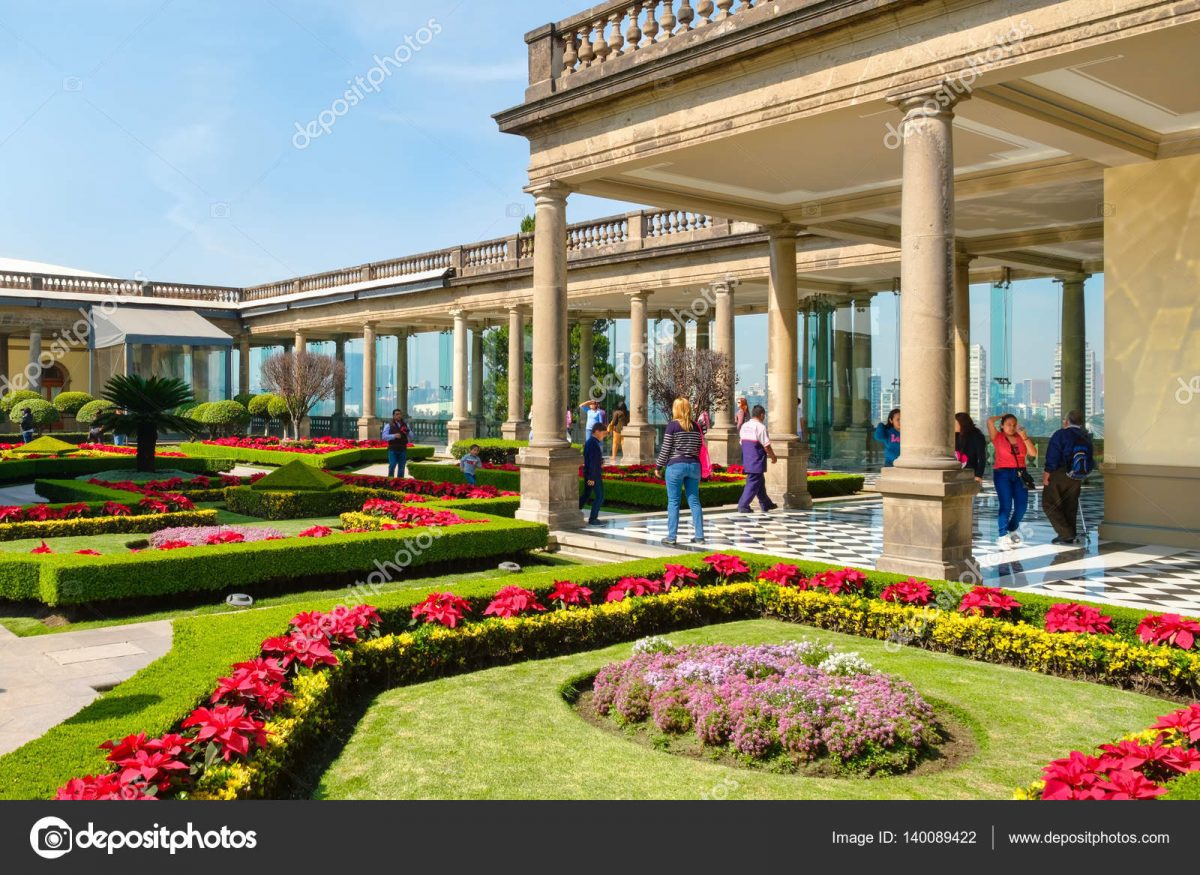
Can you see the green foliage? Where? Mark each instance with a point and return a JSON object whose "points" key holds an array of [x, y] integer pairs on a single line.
{"points": [[45, 446], [88, 412], [496, 451], [296, 476], [44, 413], [277, 409], [507, 480], [72, 579], [290, 505], [337, 459], [7, 402], [77, 466], [144, 408], [71, 402], [222, 417], [259, 405], [528, 223], [243, 398], [1185, 787], [106, 525]]}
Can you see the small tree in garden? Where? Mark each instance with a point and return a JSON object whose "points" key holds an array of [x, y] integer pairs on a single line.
{"points": [[143, 408], [303, 380], [702, 376]]}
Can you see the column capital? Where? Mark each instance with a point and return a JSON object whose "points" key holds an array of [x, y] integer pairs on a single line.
{"points": [[550, 189], [641, 294], [518, 308], [1072, 278], [782, 229], [937, 99], [458, 313]]}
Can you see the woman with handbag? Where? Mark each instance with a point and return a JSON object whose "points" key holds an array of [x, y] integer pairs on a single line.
{"points": [[678, 463], [1013, 448]]}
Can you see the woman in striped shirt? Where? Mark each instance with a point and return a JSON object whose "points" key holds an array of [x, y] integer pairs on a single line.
{"points": [[679, 459]]}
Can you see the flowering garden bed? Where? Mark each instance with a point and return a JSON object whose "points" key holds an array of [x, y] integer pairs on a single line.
{"points": [[636, 485], [478, 626], [319, 452]]}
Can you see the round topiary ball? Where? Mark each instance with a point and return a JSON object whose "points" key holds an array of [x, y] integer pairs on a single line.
{"points": [[7, 402], [70, 403], [199, 411], [277, 408], [87, 413], [44, 413], [259, 404], [226, 414]]}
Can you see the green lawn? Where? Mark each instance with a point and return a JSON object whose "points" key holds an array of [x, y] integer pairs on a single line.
{"points": [[506, 733]]}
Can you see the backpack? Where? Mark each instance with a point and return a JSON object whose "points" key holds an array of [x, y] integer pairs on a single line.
{"points": [[1081, 457]]}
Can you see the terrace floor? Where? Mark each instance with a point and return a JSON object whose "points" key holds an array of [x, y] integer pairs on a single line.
{"points": [[851, 533]]}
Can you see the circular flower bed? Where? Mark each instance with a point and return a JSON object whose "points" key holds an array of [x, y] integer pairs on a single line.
{"points": [[795, 706]]}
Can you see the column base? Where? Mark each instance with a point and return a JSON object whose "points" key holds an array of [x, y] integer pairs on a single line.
{"points": [[459, 430], [724, 447], [787, 479], [638, 444], [550, 486], [515, 431], [370, 428], [927, 523]]}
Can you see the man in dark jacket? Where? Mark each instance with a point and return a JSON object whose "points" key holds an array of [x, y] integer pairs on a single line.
{"points": [[27, 425], [593, 472], [1069, 459], [396, 433]]}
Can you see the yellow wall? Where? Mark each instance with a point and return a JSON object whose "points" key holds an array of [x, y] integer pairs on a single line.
{"points": [[1152, 350]]}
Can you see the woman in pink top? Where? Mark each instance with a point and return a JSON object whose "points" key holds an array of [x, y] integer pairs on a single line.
{"points": [[1013, 448]]}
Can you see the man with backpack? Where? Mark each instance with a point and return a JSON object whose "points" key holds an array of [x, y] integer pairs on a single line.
{"points": [[1070, 457]]}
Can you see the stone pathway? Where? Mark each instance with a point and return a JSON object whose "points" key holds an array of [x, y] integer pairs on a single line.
{"points": [[48, 678]]}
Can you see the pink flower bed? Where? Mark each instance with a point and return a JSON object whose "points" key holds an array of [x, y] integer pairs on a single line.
{"points": [[198, 536]]}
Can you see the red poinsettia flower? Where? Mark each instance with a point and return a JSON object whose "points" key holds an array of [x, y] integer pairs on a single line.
{"points": [[511, 601], [632, 587], [87, 553], [726, 566], [1074, 777], [782, 574], [153, 767], [115, 508], [678, 575], [1128, 785], [1077, 618], [226, 537], [228, 727], [74, 510], [567, 593], [173, 545], [11, 513], [840, 582], [153, 505], [910, 592], [988, 601], [95, 788], [126, 747], [317, 532], [41, 548], [442, 607], [1169, 629], [1186, 721]]}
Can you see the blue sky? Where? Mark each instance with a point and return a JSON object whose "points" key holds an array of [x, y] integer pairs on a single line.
{"points": [[156, 138]]}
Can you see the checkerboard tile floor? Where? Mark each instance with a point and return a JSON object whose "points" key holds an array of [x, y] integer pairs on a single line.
{"points": [[851, 533]]}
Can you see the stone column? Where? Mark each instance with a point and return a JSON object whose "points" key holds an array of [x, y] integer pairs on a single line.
{"points": [[639, 444], [299, 345], [927, 496], [787, 479], [368, 423], [516, 428], [587, 355], [1073, 371], [723, 444], [702, 333], [402, 370], [244, 364], [962, 333], [860, 414], [843, 337], [549, 467], [477, 375], [35, 353], [679, 329], [339, 356], [461, 427]]}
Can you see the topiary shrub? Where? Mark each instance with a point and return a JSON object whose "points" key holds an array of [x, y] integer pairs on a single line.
{"points": [[7, 402], [223, 417], [258, 405], [243, 398], [44, 413], [88, 412], [70, 403], [277, 408]]}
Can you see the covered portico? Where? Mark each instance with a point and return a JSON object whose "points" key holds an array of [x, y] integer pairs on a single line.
{"points": [[965, 141]]}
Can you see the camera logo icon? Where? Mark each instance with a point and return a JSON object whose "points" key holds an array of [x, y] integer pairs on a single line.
{"points": [[51, 838]]}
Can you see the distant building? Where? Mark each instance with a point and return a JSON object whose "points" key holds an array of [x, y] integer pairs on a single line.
{"points": [[979, 386], [1092, 389], [889, 399], [876, 396]]}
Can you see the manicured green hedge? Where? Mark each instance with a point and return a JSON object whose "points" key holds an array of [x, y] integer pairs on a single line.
{"points": [[105, 525], [274, 505], [495, 450], [70, 437], [65, 491], [501, 505], [63, 579], [30, 469], [338, 459], [648, 495]]}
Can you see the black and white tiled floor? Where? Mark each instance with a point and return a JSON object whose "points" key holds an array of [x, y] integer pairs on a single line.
{"points": [[851, 533]]}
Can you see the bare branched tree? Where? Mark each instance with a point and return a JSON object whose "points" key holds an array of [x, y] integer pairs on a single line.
{"points": [[702, 376], [303, 380]]}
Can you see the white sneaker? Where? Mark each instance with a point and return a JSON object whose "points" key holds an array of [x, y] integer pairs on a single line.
{"points": [[1016, 538], [1005, 542]]}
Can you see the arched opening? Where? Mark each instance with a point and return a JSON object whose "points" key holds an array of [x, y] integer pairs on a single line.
{"points": [[54, 380]]}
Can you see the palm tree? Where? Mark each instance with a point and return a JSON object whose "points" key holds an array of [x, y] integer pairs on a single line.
{"points": [[145, 408]]}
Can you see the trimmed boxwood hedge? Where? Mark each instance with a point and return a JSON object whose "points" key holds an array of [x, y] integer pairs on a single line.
{"points": [[63, 579], [338, 459], [648, 495], [279, 505], [105, 525], [30, 469]]}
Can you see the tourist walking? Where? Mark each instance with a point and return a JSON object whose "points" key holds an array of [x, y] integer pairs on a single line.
{"points": [[593, 473], [742, 414], [470, 463], [756, 450], [1070, 458], [396, 432], [1013, 449], [27, 425], [616, 426], [678, 462], [888, 434], [970, 446]]}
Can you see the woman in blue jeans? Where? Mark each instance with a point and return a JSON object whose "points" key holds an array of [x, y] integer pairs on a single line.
{"points": [[1013, 450], [679, 458]]}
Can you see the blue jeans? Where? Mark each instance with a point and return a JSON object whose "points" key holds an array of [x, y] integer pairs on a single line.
{"points": [[756, 487], [26, 436], [397, 459], [469, 477], [596, 494], [685, 476], [1014, 499]]}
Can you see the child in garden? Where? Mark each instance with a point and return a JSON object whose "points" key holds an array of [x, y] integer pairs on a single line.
{"points": [[469, 463]]}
